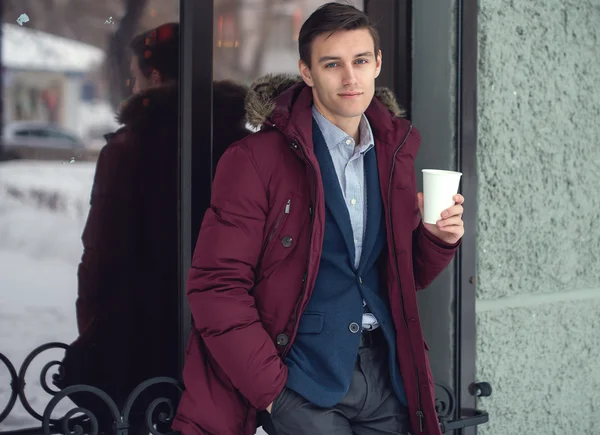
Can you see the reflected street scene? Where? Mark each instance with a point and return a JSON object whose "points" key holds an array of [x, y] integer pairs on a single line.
{"points": [[73, 216]]}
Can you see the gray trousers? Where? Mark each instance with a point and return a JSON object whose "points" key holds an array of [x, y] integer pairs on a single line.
{"points": [[369, 408]]}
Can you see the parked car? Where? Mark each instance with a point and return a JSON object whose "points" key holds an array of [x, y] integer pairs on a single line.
{"points": [[95, 138], [41, 141]]}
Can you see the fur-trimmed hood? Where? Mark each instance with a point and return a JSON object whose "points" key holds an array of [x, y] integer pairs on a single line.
{"points": [[260, 100], [146, 108], [156, 110], [160, 105]]}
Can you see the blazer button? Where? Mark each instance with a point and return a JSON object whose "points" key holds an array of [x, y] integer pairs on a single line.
{"points": [[286, 241], [354, 328], [282, 340]]}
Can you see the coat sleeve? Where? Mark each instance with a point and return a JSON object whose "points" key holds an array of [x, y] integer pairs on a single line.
{"points": [[431, 255], [221, 280], [107, 244]]}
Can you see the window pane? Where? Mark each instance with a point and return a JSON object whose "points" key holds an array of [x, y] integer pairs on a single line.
{"points": [[252, 38], [102, 277], [256, 37]]}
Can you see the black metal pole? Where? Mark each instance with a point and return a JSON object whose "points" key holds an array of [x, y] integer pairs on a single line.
{"points": [[195, 92], [466, 133]]}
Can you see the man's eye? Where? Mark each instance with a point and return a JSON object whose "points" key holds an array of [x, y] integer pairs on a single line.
{"points": [[330, 65], [362, 61]]}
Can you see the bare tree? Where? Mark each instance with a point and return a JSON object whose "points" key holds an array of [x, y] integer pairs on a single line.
{"points": [[85, 21], [118, 58]]}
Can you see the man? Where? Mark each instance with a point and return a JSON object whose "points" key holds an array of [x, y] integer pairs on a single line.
{"points": [[305, 311], [155, 59], [127, 278]]}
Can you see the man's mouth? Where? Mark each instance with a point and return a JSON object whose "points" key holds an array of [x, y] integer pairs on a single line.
{"points": [[350, 94]]}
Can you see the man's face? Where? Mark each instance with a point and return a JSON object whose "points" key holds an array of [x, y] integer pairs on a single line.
{"points": [[343, 72], [140, 81]]}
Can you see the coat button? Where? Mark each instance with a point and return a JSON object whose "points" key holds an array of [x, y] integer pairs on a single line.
{"points": [[282, 340], [354, 328], [286, 241]]}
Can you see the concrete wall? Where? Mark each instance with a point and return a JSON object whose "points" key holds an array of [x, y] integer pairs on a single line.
{"points": [[538, 204]]}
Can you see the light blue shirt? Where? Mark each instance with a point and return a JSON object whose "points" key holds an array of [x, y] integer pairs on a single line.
{"points": [[348, 160]]}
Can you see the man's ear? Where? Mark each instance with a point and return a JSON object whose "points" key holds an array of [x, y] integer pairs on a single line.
{"points": [[156, 78], [305, 73], [378, 63]]}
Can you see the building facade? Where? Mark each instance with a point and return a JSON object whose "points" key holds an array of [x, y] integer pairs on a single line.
{"points": [[538, 236]]}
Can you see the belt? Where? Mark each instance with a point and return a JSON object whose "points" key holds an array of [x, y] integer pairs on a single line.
{"points": [[372, 338]]}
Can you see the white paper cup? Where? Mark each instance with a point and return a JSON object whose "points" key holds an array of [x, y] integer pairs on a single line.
{"points": [[438, 189]]}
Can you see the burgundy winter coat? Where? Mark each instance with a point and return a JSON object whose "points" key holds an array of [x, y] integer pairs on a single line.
{"points": [[244, 305]]}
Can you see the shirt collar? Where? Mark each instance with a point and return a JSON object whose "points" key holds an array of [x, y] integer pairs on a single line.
{"points": [[334, 135]]}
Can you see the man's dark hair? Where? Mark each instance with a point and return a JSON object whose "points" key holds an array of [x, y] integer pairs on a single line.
{"points": [[330, 18], [158, 49]]}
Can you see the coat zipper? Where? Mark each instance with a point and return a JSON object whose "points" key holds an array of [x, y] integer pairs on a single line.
{"points": [[286, 211], [296, 313], [420, 414]]}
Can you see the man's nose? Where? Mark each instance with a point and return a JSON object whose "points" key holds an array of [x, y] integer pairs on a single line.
{"points": [[349, 76]]}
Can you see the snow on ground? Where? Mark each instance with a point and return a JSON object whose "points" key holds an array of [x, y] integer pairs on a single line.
{"points": [[43, 208]]}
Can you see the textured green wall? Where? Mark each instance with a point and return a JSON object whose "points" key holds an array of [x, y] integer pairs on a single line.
{"points": [[538, 215]]}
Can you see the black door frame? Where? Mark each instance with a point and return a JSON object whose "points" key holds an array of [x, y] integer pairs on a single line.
{"points": [[195, 159], [467, 388], [394, 20]]}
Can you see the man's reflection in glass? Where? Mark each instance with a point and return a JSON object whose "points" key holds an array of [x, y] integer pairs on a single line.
{"points": [[128, 275]]}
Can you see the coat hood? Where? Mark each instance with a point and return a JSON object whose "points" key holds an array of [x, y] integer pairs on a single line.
{"points": [[146, 108], [260, 100], [161, 104]]}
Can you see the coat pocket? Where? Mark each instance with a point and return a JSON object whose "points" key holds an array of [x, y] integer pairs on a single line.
{"points": [[282, 237], [311, 322]]}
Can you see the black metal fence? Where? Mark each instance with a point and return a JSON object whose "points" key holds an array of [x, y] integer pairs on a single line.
{"points": [[158, 415]]}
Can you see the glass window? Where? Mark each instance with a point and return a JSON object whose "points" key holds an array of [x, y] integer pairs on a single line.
{"points": [[256, 37], [88, 237], [252, 38]]}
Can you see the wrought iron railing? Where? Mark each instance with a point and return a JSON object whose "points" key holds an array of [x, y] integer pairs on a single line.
{"points": [[80, 420], [445, 406]]}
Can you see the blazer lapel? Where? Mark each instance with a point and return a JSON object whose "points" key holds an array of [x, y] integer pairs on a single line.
{"points": [[334, 198], [374, 207]]}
